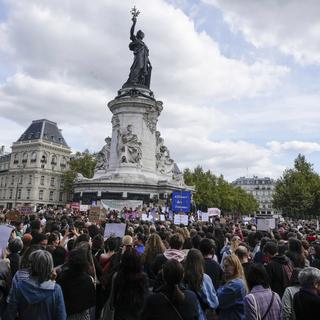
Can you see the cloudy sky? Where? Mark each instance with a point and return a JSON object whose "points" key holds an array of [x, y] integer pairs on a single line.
{"points": [[239, 79]]}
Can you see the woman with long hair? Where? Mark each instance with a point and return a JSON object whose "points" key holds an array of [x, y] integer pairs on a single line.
{"points": [[154, 246], [200, 283], [231, 295], [296, 254], [171, 301], [130, 287]]}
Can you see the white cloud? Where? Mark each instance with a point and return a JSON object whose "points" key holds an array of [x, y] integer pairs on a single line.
{"points": [[294, 146], [291, 26]]}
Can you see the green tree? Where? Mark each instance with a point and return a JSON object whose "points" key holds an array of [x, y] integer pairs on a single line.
{"points": [[83, 163], [297, 191], [213, 191]]}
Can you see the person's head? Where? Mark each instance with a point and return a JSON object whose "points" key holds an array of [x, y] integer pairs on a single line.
{"points": [[26, 239], [58, 256], [194, 269], [295, 246], [242, 253], [232, 267], [41, 265], [235, 242], [127, 241], [78, 261], [25, 264], [97, 242], [294, 280], [130, 262], [39, 238], [111, 244], [172, 272], [270, 249], [154, 246], [53, 239], [35, 226], [15, 245], [140, 34], [309, 278], [84, 237], [176, 241], [257, 276], [207, 247]]}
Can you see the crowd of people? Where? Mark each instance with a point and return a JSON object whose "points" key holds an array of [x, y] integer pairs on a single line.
{"points": [[58, 266]]}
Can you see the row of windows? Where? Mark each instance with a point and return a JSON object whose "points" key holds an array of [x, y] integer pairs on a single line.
{"points": [[27, 195], [23, 179]]}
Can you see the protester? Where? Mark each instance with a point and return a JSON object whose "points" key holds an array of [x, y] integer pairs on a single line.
{"points": [[287, 299], [306, 302], [200, 283], [171, 301], [261, 302], [231, 295], [38, 297]]}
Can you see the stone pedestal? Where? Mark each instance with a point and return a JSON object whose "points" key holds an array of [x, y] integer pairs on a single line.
{"points": [[136, 161]]}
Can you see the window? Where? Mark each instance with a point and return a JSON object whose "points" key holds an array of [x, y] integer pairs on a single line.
{"points": [[51, 196], [52, 182], [10, 194], [19, 194], [44, 159], [28, 194], [40, 194], [60, 196], [21, 179], [42, 180], [62, 183], [30, 179], [54, 160], [63, 162], [12, 180], [25, 158], [16, 158], [33, 157]]}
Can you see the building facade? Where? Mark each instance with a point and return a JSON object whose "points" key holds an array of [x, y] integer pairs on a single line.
{"points": [[32, 174], [262, 190]]}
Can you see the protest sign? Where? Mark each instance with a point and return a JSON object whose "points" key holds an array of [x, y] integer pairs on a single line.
{"points": [[205, 217], [75, 205], [5, 232], [114, 230], [13, 216], [181, 201], [265, 224], [84, 207], [94, 214], [214, 212], [120, 204], [180, 219], [162, 217], [26, 210]]}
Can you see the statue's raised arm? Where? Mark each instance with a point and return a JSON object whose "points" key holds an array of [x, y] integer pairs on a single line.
{"points": [[140, 71]]}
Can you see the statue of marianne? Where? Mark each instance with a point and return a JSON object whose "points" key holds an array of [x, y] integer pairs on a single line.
{"points": [[140, 71]]}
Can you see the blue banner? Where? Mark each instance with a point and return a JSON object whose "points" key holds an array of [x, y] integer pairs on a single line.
{"points": [[181, 201]]}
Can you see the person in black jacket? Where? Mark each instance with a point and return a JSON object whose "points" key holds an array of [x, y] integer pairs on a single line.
{"points": [[77, 285], [279, 268], [211, 267], [171, 301], [306, 302]]}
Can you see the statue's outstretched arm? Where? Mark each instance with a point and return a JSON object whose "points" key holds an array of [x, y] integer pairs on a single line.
{"points": [[132, 36]]}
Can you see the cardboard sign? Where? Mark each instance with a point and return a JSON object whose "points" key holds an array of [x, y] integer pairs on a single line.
{"points": [[13, 216], [114, 230], [162, 217], [94, 214], [120, 204], [5, 232]]}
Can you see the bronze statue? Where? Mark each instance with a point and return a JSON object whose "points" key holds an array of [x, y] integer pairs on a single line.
{"points": [[140, 71]]}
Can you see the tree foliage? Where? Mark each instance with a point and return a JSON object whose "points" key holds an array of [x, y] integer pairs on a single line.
{"points": [[297, 192], [83, 163], [213, 191]]}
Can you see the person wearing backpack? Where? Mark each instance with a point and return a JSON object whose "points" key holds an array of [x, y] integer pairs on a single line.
{"points": [[261, 303], [279, 268]]}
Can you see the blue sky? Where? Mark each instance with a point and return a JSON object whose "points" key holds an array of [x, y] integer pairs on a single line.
{"points": [[239, 79]]}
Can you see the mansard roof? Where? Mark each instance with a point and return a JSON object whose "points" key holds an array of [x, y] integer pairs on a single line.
{"points": [[45, 130]]}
